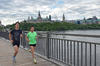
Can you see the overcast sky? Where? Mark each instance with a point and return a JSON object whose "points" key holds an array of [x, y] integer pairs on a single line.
{"points": [[16, 10]]}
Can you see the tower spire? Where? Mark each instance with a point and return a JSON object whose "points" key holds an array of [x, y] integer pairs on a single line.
{"points": [[39, 17], [63, 19]]}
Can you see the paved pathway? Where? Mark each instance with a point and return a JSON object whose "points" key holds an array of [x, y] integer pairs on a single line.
{"points": [[23, 58]]}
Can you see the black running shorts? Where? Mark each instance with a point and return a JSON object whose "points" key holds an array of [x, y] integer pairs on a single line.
{"points": [[16, 43], [33, 45]]}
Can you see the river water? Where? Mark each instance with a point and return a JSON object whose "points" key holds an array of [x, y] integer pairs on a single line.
{"points": [[83, 32]]}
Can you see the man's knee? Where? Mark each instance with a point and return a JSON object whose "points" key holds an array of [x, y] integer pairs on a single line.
{"points": [[16, 51]]}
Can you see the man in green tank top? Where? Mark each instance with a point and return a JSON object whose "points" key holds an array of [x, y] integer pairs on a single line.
{"points": [[31, 37]]}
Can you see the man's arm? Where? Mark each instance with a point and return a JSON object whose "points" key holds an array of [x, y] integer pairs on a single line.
{"points": [[21, 35], [36, 38], [27, 38], [10, 37]]}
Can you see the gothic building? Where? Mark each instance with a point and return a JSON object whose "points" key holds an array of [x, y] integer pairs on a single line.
{"points": [[39, 19]]}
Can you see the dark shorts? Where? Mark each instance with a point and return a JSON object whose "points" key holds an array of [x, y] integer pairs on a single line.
{"points": [[17, 43], [33, 45]]}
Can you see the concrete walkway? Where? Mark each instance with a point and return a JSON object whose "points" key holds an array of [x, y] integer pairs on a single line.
{"points": [[23, 58]]}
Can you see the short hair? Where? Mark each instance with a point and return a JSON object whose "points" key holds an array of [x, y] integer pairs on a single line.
{"points": [[32, 26], [17, 22]]}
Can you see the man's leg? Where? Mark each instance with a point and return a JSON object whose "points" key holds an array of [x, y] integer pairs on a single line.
{"points": [[16, 48], [15, 53], [32, 50]]}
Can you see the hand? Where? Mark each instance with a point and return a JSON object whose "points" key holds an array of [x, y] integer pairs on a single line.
{"points": [[21, 36], [11, 41], [28, 40]]}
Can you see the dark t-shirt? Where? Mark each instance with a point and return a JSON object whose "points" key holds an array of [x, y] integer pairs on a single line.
{"points": [[16, 35]]}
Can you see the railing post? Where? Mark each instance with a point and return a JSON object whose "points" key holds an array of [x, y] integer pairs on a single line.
{"points": [[23, 42], [95, 55], [47, 45]]}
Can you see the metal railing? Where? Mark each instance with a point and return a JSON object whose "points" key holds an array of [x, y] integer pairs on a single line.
{"points": [[4, 34], [69, 52], [66, 51]]}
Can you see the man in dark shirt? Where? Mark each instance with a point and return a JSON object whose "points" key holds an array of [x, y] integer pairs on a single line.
{"points": [[14, 37]]}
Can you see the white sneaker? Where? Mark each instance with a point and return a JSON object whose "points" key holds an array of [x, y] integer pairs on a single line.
{"points": [[35, 62]]}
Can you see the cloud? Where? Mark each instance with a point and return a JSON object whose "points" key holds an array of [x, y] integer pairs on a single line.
{"points": [[14, 10]]}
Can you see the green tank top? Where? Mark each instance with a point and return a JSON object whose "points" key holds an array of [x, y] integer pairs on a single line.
{"points": [[32, 37]]}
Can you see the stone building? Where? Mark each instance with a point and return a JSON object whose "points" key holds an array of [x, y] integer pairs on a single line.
{"points": [[39, 19]]}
